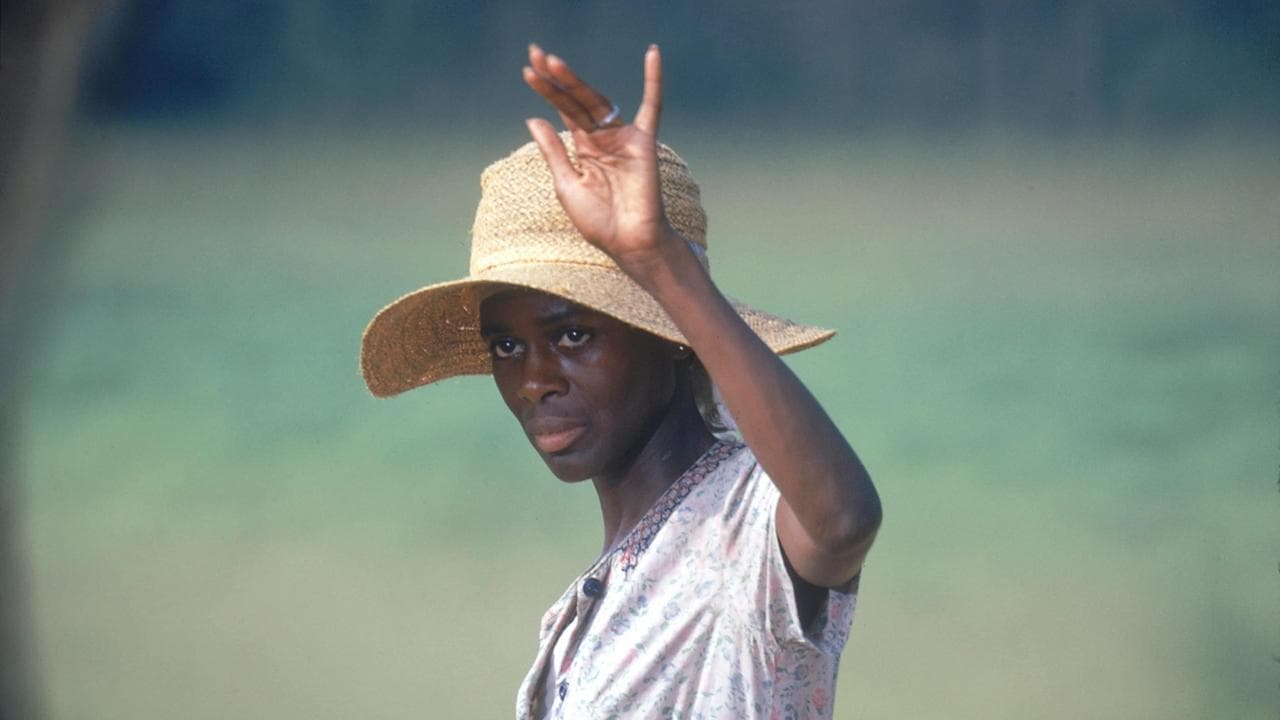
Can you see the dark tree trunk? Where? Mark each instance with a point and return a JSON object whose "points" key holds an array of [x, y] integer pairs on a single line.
{"points": [[40, 48]]}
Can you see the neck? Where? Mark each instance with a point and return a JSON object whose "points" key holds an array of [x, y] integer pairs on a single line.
{"points": [[673, 446]]}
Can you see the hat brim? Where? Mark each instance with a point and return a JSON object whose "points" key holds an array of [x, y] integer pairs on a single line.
{"points": [[434, 333]]}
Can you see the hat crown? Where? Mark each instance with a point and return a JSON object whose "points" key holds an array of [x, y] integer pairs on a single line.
{"points": [[520, 220]]}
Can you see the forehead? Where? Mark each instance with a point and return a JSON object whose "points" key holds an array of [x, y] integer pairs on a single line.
{"points": [[524, 305]]}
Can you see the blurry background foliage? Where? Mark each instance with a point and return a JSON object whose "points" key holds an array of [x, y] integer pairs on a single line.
{"points": [[1030, 65], [1047, 232]]}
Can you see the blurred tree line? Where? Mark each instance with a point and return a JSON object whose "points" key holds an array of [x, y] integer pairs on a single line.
{"points": [[1044, 66]]}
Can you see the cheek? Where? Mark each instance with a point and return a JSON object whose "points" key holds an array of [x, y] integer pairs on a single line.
{"points": [[647, 391], [506, 381]]}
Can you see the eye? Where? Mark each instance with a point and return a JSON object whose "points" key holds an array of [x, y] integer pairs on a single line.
{"points": [[505, 347], [574, 337]]}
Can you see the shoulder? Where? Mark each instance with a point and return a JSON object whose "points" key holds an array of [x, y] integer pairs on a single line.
{"points": [[727, 477]]}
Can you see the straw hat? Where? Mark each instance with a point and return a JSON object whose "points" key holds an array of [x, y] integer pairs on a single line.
{"points": [[523, 238]]}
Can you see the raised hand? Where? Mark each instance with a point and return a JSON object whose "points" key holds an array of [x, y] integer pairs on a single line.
{"points": [[612, 195]]}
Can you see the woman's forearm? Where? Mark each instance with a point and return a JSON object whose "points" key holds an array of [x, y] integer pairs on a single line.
{"points": [[830, 510]]}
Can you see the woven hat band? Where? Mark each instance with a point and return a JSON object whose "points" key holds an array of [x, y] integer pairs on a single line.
{"points": [[540, 247], [552, 249]]}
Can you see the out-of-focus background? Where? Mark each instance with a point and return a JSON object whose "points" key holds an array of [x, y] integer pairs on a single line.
{"points": [[1048, 233]]}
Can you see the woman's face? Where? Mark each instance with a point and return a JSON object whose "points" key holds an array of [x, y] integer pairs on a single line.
{"points": [[588, 390]]}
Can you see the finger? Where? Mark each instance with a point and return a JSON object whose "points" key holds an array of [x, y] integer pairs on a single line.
{"points": [[581, 136], [553, 91], [553, 151], [557, 97], [538, 58], [596, 104], [541, 84], [574, 127], [651, 103]]}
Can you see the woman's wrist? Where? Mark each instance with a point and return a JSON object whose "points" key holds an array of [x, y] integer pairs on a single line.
{"points": [[668, 255], [677, 279]]}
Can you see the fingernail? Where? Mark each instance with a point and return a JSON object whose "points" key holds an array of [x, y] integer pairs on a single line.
{"points": [[653, 47]]}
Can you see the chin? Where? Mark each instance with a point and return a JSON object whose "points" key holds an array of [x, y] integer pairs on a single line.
{"points": [[568, 468]]}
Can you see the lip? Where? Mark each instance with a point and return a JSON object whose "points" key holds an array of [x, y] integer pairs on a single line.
{"points": [[553, 435], [557, 441]]}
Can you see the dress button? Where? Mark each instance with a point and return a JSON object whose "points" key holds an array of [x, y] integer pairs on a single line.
{"points": [[564, 689], [592, 588]]}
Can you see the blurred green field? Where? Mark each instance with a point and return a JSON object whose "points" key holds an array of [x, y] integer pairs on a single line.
{"points": [[1060, 361]]}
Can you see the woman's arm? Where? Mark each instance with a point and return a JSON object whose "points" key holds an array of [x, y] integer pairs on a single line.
{"points": [[829, 511]]}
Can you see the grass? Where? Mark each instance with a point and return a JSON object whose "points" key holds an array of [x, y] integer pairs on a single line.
{"points": [[1059, 361]]}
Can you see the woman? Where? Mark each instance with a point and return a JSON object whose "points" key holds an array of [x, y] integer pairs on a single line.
{"points": [[726, 584]]}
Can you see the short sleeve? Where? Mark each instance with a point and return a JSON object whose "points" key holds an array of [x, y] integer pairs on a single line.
{"points": [[767, 596]]}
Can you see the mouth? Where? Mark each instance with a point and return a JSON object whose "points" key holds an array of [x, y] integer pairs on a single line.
{"points": [[552, 434], [554, 442]]}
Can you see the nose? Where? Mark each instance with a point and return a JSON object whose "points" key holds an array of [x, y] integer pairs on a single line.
{"points": [[541, 377]]}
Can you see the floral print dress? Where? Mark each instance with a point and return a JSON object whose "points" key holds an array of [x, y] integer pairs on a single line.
{"points": [[693, 616]]}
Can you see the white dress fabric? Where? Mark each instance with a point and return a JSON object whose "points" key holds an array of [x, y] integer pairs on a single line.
{"points": [[693, 616]]}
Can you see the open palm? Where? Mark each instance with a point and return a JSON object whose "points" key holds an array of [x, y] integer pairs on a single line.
{"points": [[612, 194]]}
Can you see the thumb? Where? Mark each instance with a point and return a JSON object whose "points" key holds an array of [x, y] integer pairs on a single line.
{"points": [[553, 151]]}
